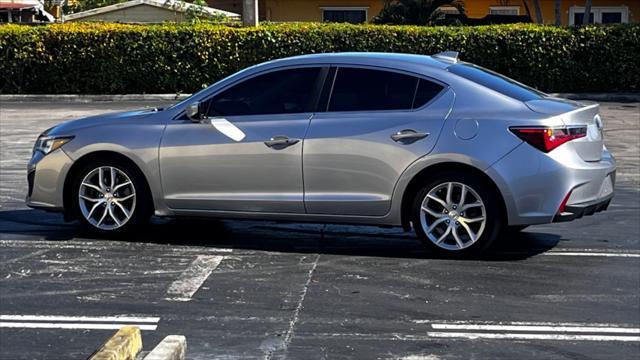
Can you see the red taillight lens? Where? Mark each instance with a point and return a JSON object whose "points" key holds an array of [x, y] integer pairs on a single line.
{"points": [[547, 139], [563, 205]]}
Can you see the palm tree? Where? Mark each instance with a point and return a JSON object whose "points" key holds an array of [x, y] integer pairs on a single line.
{"points": [[536, 6], [558, 12], [526, 8], [587, 12], [415, 12]]}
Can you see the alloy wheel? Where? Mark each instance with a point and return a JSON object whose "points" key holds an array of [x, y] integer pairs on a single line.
{"points": [[453, 216], [107, 198]]}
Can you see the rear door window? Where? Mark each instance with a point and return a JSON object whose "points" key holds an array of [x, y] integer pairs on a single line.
{"points": [[357, 89]]}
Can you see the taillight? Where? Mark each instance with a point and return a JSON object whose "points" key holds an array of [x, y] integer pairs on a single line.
{"points": [[547, 139]]}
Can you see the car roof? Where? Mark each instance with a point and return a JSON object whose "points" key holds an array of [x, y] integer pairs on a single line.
{"points": [[362, 58]]}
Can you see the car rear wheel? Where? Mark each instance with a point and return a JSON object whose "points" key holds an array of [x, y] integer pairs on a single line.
{"points": [[110, 197], [457, 214]]}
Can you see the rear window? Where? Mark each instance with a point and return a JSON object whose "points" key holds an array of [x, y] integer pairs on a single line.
{"points": [[496, 82]]}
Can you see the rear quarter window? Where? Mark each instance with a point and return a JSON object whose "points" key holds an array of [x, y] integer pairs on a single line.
{"points": [[426, 91], [496, 82]]}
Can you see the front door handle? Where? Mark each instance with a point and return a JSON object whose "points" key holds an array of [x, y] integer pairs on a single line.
{"points": [[408, 135], [281, 142]]}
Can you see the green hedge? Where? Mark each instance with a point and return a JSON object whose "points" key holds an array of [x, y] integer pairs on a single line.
{"points": [[115, 58]]}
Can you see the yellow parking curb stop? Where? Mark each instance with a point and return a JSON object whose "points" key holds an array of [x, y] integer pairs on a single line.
{"points": [[125, 344]]}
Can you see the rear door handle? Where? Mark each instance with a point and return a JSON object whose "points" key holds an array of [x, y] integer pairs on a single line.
{"points": [[408, 135], [281, 142]]}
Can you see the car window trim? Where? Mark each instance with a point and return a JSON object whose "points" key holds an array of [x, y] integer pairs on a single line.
{"points": [[318, 90], [415, 93], [327, 90], [444, 85]]}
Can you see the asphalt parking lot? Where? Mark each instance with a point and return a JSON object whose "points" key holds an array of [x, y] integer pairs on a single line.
{"points": [[268, 290]]}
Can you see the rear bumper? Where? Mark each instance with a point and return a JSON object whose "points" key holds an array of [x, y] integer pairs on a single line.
{"points": [[535, 184], [576, 211]]}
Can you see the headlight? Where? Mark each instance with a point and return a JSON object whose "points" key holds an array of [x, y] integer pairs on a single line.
{"points": [[47, 144]]}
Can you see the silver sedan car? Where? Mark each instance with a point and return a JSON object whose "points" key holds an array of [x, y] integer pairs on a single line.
{"points": [[456, 152]]}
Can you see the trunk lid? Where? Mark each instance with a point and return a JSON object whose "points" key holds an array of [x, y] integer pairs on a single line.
{"points": [[573, 113]]}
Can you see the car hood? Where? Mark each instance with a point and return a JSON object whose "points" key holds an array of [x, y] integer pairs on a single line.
{"points": [[68, 127]]}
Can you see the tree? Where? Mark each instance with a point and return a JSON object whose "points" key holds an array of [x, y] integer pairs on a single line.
{"points": [[526, 8], [536, 6], [415, 12], [587, 12]]}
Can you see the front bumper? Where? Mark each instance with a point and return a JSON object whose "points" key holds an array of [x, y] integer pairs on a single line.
{"points": [[46, 176]]}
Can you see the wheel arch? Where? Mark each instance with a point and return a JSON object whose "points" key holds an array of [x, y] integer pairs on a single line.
{"points": [[81, 162], [414, 186]]}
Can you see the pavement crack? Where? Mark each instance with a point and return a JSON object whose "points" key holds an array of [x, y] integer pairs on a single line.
{"points": [[296, 314], [27, 256]]}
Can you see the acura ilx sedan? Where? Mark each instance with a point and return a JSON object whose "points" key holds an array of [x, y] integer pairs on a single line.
{"points": [[454, 151]]}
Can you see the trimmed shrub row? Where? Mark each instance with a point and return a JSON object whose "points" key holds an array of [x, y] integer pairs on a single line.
{"points": [[116, 58]]}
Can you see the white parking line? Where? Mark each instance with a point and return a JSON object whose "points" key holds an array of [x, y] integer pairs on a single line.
{"points": [[77, 322], [193, 277], [524, 336], [127, 319], [531, 331], [541, 328], [595, 254], [100, 245], [85, 326]]}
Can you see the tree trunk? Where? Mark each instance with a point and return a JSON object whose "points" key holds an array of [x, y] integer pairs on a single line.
{"points": [[526, 8], [250, 12], [536, 6], [558, 13], [587, 12]]}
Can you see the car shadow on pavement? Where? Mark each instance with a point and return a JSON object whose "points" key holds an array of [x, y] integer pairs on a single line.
{"points": [[34, 225]]}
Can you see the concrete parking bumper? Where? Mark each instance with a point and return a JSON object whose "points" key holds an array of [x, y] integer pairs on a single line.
{"points": [[173, 347], [125, 344]]}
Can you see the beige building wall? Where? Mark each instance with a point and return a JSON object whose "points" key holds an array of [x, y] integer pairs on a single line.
{"points": [[311, 10], [480, 8], [137, 14]]}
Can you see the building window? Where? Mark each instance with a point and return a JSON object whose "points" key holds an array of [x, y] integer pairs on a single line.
{"points": [[504, 10], [600, 15], [354, 15]]}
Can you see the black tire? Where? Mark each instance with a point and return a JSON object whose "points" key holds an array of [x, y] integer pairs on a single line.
{"points": [[494, 218], [143, 205]]}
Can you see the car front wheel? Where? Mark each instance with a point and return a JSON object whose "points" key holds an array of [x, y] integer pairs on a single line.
{"points": [[457, 214], [110, 197]]}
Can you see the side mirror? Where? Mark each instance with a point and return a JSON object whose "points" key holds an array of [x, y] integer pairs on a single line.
{"points": [[195, 112]]}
